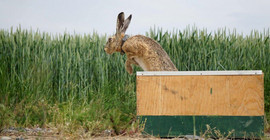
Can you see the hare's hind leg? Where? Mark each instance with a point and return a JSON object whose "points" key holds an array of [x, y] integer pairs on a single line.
{"points": [[128, 65]]}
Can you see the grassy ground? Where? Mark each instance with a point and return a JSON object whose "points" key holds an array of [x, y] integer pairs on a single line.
{"points": [[67, 82]]}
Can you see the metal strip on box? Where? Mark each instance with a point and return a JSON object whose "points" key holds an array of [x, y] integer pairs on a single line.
{"points": [[175, 73]]}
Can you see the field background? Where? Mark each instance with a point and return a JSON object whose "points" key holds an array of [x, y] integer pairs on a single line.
{"points": [[68, 82]]}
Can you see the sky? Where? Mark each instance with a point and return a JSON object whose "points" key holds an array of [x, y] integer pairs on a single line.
{"points": [[87, 16]]}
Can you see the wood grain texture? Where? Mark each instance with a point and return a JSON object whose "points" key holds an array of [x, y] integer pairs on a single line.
{"points": [[200, 95]]}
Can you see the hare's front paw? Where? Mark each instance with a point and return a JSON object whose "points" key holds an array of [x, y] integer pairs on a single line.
{"points": [[128, 67]]}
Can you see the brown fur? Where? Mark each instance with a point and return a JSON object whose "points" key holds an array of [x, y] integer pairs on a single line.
{"points": [[140, 50]]}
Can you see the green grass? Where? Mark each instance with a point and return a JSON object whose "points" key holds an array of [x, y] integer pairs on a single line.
{"points": [[69, 82]]}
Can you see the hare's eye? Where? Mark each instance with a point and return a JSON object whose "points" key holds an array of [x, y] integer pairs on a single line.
{"points": [[110, 39]]}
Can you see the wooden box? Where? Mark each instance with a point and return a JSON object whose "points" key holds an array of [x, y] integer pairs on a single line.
{"points": [[172, 104]]}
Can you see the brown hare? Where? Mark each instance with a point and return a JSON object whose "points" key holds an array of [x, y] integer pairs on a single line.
{"points": [[140, 50]]}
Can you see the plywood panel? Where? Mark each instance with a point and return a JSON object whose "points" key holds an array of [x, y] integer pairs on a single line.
{"points": [[200, 95]]}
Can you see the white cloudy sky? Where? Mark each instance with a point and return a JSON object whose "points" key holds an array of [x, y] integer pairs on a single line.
{"points": [[84, 16]]}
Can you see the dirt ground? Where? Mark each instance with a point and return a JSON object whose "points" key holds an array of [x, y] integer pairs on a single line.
{"points": [[67, 137], [62, 137], [53, 134], [43, 134]]}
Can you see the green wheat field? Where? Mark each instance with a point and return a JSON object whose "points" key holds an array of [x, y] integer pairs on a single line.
{"points": [[68, 82]]}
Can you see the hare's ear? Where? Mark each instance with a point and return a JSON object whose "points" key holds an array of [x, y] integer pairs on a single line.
{"points": [[120, 22], [126, 24]]}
